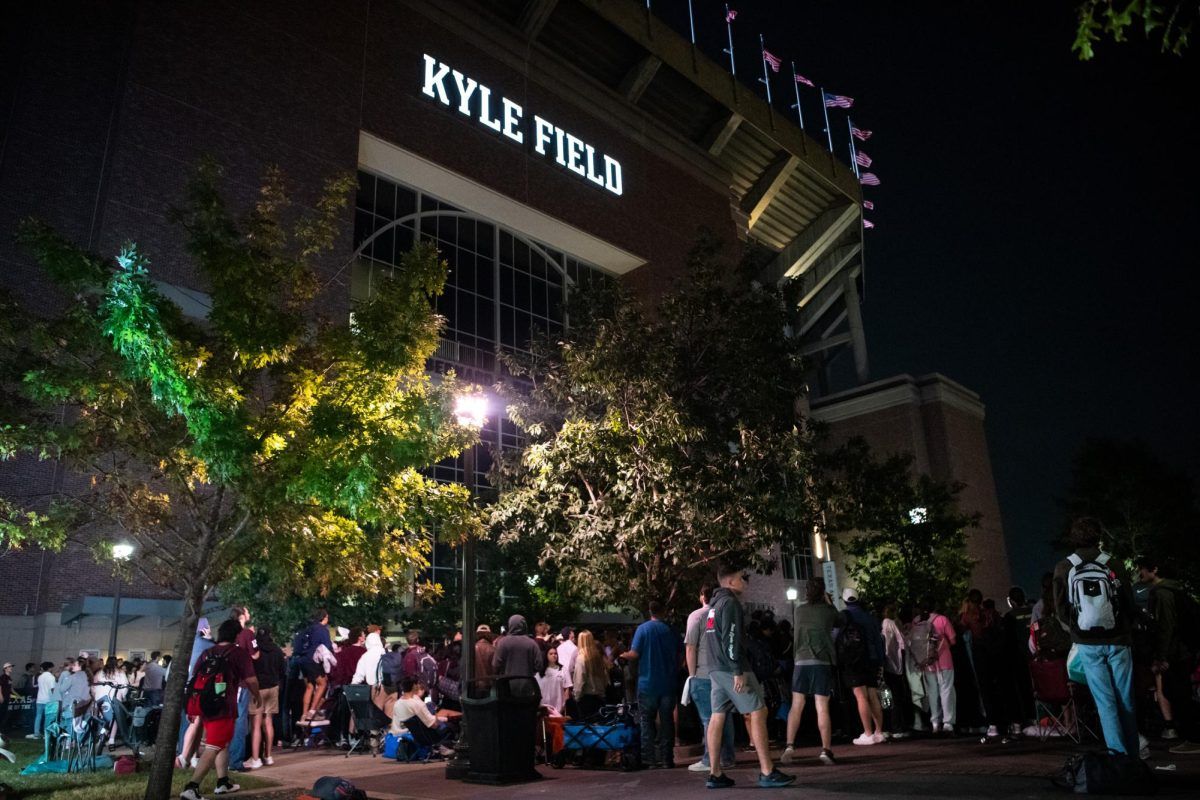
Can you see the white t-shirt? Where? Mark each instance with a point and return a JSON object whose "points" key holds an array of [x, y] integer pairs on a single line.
{"points": [[100, 692], [553, 686], [45, 686], [567, 651], [409, 707]]}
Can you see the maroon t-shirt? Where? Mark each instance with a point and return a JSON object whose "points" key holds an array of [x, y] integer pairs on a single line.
{"points": [[238, 666], [247, 641]]}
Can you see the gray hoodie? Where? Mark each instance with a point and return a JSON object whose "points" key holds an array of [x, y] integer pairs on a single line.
{"points": [[723, 633], [516, 652]]}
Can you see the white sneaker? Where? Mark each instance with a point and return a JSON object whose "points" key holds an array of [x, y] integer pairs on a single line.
{"points": [[226, 788], [191, 794], [992, 731], [33, 736], [935, 728], [948, 729], [195, 761], [865, 739], [787, 755], [253, 763], [1168, 734], [698, 766], [880, 737], [269, 761]]}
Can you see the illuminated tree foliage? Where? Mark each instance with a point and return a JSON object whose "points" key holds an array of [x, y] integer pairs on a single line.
{"points": [[661, 440], [1170, 23], [263, 434], [905, 535]]}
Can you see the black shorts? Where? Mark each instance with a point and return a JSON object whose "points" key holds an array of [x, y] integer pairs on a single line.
{"points": [[311, 670], [865, 674]]}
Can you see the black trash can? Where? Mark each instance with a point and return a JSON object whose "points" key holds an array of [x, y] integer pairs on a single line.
{"points": [[503, 731]]}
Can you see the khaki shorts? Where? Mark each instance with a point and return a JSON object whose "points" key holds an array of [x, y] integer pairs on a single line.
{"points": [[724, 698], [269, 701]]}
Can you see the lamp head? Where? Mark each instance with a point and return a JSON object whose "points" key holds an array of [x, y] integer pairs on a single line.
{"points": [[122, 552], [792, 594], [471, 410]]}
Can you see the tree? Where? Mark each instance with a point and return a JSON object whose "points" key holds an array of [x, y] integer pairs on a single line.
{"points": [[906, 535], [1169, 22], [1148, 507], [266, 432], [660, 439]]}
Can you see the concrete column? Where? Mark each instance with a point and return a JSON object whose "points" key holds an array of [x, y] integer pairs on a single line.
{"points": [[858, 339]]}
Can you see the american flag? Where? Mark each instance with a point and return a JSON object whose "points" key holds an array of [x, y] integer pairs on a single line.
{"points": [[869, 179], [868, 205], [838, 101], [867, 224], [805, 81], [861, 135], [862, 158], [730, 14], [771, 59]]}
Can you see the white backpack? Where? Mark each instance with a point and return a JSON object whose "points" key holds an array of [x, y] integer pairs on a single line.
{"points": [[1092, 593]]}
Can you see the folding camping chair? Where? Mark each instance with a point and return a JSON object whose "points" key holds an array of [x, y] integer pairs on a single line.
{"points": [[368, 723], [420, 743], [1054, 696]]}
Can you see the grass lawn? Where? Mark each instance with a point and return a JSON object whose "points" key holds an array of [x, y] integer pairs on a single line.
{"points": [[94, 786]]}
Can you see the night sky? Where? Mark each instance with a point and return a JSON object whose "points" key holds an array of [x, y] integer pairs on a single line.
{"points": [[1037, 222]]}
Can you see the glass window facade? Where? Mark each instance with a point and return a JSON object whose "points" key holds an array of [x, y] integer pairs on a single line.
{"points": [[502, 287]]}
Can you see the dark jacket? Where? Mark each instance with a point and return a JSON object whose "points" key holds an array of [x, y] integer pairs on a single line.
{"points": [[1168, 644], [269, 668], [724, 630], [1065, 612], [871, 627], [517, 653]]}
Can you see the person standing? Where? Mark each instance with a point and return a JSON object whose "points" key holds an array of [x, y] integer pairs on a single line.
{"points": [[655, 649], [269, 670], [232, 669], [189, 731], [517, 654], [6, 693], [45, 689], [305, 644], [1017, 686], [930, 640], [247, 641], [1094, 600], [812, 672], [700, 686], [733, 683], [1174, 615], [860, 656], [154, 680]]}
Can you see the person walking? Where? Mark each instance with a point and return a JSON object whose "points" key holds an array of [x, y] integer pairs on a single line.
{"points": [[700, 686], [1094, 600], [813, 623], [655, 649], [733, 682]]}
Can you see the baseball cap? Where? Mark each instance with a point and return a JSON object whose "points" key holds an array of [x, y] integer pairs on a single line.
{"points": [[849, 595], [483, 629]]}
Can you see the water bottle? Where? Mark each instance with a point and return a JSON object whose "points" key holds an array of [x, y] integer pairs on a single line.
{"points": [[885, 696]]}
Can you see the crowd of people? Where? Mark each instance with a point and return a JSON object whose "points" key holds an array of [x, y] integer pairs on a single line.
{"points": [[871, 669]]}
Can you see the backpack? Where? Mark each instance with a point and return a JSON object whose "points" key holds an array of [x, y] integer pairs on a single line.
{"points": [[1092, 592], [427, 670], [1105, 772], [851, 644], [208, 687], [924, 643], [1050, 641], [302, 642]]}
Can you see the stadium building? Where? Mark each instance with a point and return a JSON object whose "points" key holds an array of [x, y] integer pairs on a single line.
{"points": [[543, 144]]}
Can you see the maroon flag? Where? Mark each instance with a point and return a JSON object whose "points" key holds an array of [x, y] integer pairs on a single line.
{"points": [[805, 81], [869, 179], [861, 135], [771, 59], [730, 15], [862, 158], [867, 224], [868, 205]]}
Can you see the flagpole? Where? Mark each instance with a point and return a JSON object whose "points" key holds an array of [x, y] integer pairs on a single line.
{"points": [[729, 33], [762, 47], [853, 148], [796, 87], [691, 20], [828, 130]]}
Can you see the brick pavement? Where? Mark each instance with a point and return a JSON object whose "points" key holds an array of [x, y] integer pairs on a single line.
{"points": [[918, 769]]}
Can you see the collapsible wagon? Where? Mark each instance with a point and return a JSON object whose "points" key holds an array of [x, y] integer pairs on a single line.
{"points": [[611, 729]]}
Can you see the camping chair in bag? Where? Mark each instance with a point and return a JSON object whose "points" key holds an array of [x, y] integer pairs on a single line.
{"points": [[1054, 698], [367, 724]]}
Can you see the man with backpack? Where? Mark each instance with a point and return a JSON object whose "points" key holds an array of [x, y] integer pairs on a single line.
{"points": [[1094, 600], [859, 647], [929, 641], [212, 697], [1176, 630]]}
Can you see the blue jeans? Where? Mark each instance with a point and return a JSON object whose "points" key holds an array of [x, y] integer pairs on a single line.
{"points": [[39, 719], [658, 727], [237, 748], [1109, 671], [701, 691]]}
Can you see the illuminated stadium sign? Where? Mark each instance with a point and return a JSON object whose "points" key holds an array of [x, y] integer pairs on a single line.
{"points": [[455, 90]]}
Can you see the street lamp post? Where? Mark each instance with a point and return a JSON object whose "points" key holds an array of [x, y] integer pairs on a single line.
{"points": [[471, 411], [120, 552], [792, 594]]}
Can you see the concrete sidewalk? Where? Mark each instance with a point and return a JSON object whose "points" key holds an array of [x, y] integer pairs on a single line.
{"points": [[917, 769]]}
